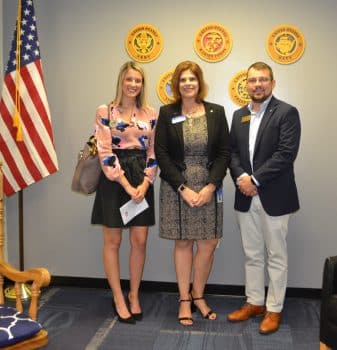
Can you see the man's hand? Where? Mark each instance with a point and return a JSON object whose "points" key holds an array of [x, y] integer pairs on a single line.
{"points": [[246, 186]]}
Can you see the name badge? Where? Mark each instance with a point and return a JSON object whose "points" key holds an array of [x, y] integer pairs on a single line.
{"points": [[178, 119], [245, 119]]}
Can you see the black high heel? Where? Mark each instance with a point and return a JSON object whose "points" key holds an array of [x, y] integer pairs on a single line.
{"points": [[138, 316], [128, 320], [209, 313], [186, 318]]}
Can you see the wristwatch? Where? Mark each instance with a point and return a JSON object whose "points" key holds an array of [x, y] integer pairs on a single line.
{"points": [[181, 188]]}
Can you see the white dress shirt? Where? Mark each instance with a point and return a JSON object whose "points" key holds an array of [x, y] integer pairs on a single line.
{"points": [[254, 125], [255, 121]]}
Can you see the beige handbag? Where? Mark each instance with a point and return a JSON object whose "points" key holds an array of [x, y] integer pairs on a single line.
{"points": [[88, 169]]}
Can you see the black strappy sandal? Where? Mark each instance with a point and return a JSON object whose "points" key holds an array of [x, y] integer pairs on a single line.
{"points": [[185, 318], [209, 313]]}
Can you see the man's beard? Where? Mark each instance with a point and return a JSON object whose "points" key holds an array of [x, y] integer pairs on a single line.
{"points": [[259, 99]]}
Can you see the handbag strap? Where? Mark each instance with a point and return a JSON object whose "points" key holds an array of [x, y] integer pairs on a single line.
{"points": [[110, 111], [92, 139]]}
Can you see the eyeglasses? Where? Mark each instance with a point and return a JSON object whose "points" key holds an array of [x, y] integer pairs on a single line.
{"points": [[260, 80]]}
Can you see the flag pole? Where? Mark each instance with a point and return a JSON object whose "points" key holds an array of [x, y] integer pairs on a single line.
{"points": [[10, 292], [25, 289], [21, 240], [19, 129]]}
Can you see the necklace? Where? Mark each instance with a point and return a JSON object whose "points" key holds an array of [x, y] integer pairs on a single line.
{"points": [[192, 113]]}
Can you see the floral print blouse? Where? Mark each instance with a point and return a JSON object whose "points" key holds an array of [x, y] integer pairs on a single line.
{"points": [[112, 133]]}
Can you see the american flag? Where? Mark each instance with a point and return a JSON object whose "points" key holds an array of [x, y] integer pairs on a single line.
{"points": [[26, 140]]}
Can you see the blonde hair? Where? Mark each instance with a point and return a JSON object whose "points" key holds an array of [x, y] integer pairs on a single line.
{"points": [[196, 70], [141, 100]]}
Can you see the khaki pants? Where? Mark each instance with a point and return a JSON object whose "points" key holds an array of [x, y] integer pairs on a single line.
{"points": [[264, 244]]}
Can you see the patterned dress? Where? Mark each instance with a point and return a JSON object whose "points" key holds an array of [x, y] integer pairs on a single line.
{"points": [[178, 220]]}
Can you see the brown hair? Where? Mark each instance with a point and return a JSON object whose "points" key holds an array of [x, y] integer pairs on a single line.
{"points": [[196, 70], [261, 66]]}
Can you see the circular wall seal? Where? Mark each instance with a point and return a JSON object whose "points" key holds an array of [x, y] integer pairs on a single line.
{"points": [[285, 44], [213, 42], [164, 87], [237, 88], [144, 43]]}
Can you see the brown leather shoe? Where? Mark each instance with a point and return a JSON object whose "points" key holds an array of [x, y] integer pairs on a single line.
{"points": [[245, 312], [270, 323]]}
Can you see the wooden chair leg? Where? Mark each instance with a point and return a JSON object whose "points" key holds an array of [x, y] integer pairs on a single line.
{"points": [[322, 346]]}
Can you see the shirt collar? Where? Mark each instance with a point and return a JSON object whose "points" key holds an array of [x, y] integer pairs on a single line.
{"points": [[263, 106]]}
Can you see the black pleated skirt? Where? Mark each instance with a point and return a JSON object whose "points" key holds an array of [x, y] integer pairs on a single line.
{"points": [[110, 195]]}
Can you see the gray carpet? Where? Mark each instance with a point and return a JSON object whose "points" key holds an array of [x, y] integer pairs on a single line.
{"points": [[80, 318]]}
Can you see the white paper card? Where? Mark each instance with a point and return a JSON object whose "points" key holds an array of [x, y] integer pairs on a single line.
{"points": [[131, 209]]}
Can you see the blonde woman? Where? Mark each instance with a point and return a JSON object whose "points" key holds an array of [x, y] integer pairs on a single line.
{"points": [[125, 142]]}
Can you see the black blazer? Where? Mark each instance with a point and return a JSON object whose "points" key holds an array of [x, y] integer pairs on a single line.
{"points": [[276, 148], [169, 144]]}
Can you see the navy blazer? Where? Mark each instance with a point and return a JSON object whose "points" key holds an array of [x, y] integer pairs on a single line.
{"points": [[169, 144], [276, 148]]}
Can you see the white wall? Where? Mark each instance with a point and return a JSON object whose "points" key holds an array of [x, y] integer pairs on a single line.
{"points": [[82, 48]]}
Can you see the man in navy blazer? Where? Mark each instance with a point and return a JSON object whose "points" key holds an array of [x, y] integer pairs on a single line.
{"points": [[265, 137]]}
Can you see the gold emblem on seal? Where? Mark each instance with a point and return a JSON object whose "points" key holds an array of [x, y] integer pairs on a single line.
{"points": [[144, 43], [285, 44], [213, 42], [238, 88], [164, 87]]}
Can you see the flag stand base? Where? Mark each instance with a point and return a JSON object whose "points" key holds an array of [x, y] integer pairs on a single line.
{"points": [[25, 292]]}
